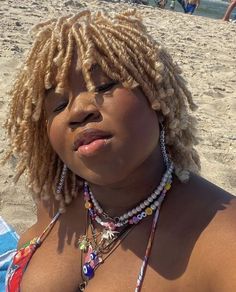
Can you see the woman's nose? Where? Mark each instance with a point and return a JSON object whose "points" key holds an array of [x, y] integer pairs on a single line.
{"points": [[83, 110]]}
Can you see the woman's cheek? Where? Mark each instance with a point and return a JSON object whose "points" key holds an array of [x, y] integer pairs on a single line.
{"points": [[55, 135]]}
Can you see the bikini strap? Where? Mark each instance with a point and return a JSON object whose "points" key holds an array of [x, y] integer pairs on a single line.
{"points": [[148, 248], [48, 228]]}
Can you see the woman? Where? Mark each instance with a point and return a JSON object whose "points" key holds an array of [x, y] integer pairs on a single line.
{"points": [[100, 121]]}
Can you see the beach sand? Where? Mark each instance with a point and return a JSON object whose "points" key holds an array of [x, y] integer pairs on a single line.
{"points": [[205, 50]]}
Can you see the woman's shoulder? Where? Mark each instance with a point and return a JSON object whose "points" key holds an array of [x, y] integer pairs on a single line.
{"points": [[211, 205], [215, 211], [27, 236], [47, 215], [204, 197], [195, 219], [197, 229], [212, 200], [44, 217]]}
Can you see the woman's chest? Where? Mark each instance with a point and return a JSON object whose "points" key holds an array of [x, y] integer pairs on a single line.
{"points": [[57, 264], [53, 268], [60, 269]]}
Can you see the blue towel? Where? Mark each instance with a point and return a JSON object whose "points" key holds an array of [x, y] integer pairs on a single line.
{"points": [[8, 244]]}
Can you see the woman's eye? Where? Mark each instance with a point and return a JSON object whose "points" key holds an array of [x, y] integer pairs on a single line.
{"points": [[105, 87], [60, 107]]}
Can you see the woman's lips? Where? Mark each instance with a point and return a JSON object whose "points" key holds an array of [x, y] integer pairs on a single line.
{"points": [[91, 148], [89, 141]]}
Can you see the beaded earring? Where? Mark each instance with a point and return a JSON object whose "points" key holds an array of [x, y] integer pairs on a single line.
{"points": [[61, 182], [163, 146]]}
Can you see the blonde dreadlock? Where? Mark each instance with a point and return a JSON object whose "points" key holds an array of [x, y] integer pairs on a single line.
{"points": [[120, 45]]}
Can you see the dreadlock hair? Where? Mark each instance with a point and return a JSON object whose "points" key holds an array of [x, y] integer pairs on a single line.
{"points": [[120, 45]]}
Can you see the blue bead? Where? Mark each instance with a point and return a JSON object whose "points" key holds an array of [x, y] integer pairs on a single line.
{"points": [[91, 212], [93, 256], [88, 270]]}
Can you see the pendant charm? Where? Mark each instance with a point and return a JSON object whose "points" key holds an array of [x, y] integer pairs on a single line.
{"points": [[83, 243], [88, 271], [82, 286], [108, 234], [92, 260]]}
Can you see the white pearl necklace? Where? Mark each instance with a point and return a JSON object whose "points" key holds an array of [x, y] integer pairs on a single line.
{"points": [[139, 212]]}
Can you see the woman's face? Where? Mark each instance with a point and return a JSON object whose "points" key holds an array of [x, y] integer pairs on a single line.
{"points": [[104, 136]]}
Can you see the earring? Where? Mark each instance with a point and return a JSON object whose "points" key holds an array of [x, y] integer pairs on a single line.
{"points": [[62, 180], [163, 146]]}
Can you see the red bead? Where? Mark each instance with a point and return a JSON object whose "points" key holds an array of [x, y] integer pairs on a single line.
{"points": [[111, 226]]}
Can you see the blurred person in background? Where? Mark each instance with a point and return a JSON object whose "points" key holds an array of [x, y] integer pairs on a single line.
{"points": [[229, 10]]}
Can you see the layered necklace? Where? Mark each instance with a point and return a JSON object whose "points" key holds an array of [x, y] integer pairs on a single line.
{"points": [[102, 244]]}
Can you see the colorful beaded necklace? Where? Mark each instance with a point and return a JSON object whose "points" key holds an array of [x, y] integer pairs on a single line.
{"points": [[95, 254], [119, 227], [110, 235], [142, 210]]}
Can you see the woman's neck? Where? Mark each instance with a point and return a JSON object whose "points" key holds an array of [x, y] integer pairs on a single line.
{"points": [[120, 197]]}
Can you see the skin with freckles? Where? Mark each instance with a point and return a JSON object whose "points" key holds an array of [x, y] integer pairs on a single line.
{"points": [[195, 220]]}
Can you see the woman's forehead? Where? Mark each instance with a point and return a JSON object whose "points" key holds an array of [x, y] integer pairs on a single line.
{"points": [[95, 71], [75, 76], [77, 62]]}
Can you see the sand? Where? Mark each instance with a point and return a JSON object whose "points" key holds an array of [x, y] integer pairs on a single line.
{"points": [[204, 48]]}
